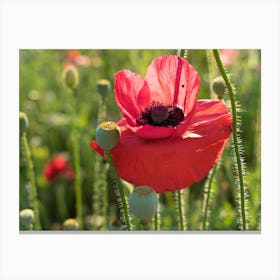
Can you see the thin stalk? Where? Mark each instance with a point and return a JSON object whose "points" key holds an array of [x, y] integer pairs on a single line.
{"points": [[122, 203], [104, 191], [157, 218], [96, 189], [144, 225], [77, 160], [237, 151], [100, 190], [61, 203], [206, 199], [31, 175], [180, 210]]}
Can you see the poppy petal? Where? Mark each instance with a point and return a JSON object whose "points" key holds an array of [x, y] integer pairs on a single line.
{"points": [[153, 132], [173, 81], [208, 114], [172, 163], [132, 95]]}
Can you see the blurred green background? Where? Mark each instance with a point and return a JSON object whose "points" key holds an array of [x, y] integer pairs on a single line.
{"points": [[46, 103]]}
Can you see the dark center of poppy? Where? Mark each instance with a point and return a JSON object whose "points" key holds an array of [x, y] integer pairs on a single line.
{"points": [[161, 115]]}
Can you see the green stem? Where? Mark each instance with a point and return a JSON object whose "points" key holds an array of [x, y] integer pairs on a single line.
{"points": [[180, 210], [157, 218], [119, 186], [61, 203], [206, 199], [144, 225], [235, 139], [96, 189], [34, 201], [104, 192], [76, 156]]}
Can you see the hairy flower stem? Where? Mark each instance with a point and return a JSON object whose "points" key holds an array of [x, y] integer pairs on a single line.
{"points": [[95, 196], [206, 199], [31, 175], [237, 153], [61, 203], [100, 190], [180, 210], [157, 219], [104, 192], [119, 186], [77, 161], [144, 225]]}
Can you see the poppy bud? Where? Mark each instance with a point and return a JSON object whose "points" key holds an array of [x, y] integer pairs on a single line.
{"points": [[70, 77], [103, 87], [23, 122], [219, 87], [27, 219], [143, 202], [70, 224], [108, 135]]}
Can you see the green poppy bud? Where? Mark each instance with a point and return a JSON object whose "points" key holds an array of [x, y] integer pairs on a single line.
{"points": [[219, 87], [70, 77], [143, 202], [103, 87], [70, 224], [23, 122], [27, 219], [108, 135]]}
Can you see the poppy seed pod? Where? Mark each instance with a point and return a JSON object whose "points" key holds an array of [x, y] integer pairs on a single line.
{"points": [[103, 87], [143, 202], [23, 122], [27, 219], [219, 87], [70, 224], [108, 135], [70, 77]]}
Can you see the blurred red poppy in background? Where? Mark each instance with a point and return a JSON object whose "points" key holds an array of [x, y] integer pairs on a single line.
{"points": [[169, 139], [75, 58], [58, 165], [228, 56]]}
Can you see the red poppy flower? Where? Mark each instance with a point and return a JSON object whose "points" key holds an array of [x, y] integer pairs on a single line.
{"points": [[227, 56], [75, 58], [169, 139], [57, 166], [72, 55]]}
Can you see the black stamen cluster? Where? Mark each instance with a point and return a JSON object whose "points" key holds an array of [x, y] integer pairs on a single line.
{"points": [[176, 115]]}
